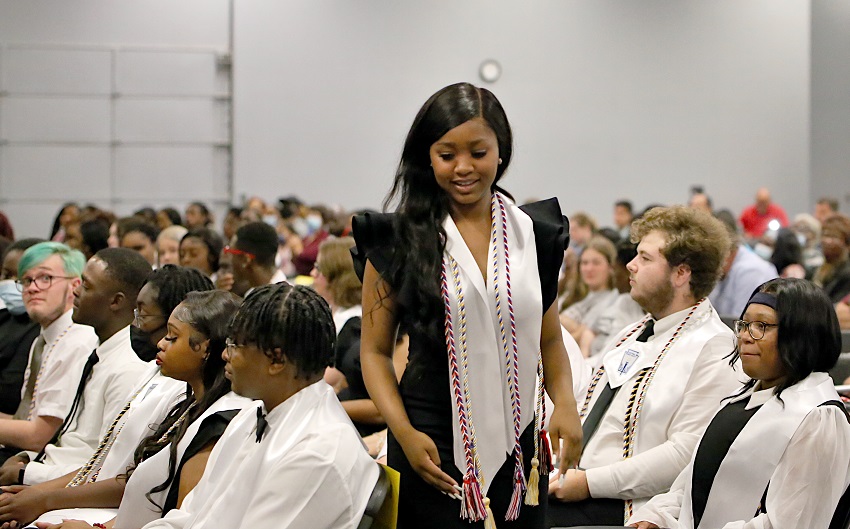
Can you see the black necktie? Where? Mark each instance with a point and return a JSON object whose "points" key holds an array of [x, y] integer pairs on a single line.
{"points": [[262, 424], [66, 424], [648, 330], [606, 396]]}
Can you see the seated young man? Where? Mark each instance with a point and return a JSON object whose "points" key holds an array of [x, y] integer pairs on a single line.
{"points": [[296, 461]]}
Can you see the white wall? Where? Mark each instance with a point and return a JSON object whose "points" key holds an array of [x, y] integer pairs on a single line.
{"points": [[831, 101], [608, 98], [80, 119]]}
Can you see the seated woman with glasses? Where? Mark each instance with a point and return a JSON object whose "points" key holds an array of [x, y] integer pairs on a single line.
{"points": [[170, 461], [777, 454]]}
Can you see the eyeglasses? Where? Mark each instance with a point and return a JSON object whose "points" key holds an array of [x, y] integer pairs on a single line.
{"points": [[318, 266], [139, 318], [42, 282], [237, 251], [231, 345], [755, 328]]}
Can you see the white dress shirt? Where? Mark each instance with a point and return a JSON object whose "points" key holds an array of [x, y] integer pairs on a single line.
{"points": [[117, 372], [62, 361], [310, 470], [679, 403], [804, 487]]}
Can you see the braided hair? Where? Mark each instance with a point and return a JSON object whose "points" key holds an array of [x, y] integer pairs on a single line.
{"points": [[173, 282], [287, 322]]}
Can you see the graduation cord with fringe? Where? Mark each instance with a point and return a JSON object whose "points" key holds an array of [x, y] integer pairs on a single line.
{"points": [[636, 398], [647, 374], [83, 475], [45, 353], [474, 505]]}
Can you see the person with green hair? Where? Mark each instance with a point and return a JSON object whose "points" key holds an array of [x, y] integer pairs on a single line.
{"points": [[48, 273]]}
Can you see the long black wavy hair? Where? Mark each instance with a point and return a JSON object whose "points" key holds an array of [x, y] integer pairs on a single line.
{"points": [[209, 314], [422, 205], [809, 338]]}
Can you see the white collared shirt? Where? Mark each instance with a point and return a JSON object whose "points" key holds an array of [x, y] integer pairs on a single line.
{"points": [[62, 365], [117, 372], [652, 471], [310, 470]]}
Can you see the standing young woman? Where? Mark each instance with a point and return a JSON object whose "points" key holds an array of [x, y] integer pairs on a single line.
{"points": [[473, 278], [776, 455]]}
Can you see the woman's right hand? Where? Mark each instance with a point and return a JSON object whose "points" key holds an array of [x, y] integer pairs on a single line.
{"points": [[422, 454]]}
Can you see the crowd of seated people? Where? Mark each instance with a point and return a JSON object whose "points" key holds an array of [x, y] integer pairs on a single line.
{"points": [[139, 321]]}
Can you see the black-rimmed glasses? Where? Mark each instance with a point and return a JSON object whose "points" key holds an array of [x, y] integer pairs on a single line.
{"points": [[42, 282], [755, 328]]}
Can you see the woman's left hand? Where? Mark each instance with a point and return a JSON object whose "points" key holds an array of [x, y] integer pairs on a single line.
{"points": [[565, 426], [573, 487]]}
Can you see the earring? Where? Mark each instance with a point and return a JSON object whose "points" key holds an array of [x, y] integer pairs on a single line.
{"points": [[500, 161]]}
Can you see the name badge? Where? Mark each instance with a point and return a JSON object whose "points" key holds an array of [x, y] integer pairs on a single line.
{"points": [[628, 360]]}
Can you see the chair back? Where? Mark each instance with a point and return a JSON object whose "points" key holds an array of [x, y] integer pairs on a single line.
{"points": [[382, 508]]}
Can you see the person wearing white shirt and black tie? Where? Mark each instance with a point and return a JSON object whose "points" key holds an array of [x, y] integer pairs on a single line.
{"points": [[104, 299], [48, 273], [661, 379]]}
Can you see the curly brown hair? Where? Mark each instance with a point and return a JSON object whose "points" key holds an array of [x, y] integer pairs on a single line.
{"points": [[693, 238]]}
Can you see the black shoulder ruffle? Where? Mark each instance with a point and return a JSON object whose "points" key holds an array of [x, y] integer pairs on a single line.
{"points": [[551, 235]]}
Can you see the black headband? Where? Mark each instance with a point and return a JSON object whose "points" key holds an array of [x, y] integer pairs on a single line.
{"points": [[762, 298]]}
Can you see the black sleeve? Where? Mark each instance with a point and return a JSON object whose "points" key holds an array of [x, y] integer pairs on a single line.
{"points": [[210, 431], [551, 236]]}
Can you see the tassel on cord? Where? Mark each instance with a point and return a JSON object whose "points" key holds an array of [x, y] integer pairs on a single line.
{"points": [[545, 453], [489, 521], [532, 495], [516, 498], [474, 505]]}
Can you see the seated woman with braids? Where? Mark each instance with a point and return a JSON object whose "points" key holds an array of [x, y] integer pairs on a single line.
{"points": [[170, 461], [776, 455], [148, 405]]}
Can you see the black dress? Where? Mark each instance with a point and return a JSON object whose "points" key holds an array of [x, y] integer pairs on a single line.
{"points": [[424, 387]]}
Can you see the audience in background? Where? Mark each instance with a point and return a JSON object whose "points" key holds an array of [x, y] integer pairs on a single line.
{"points": [[68, 214], [834, 274], [756, 219], [808, 230], [197, 216], [252, 259], [623, 216], [702, 202], [594, 290], [201, 248], [17, 329], [787, 255], [168, 244], [168, 217], [825, 207], [140, 236], [742, 272]]}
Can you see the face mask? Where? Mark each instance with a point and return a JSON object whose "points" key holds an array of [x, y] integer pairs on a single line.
{"points": [[12, 297], [141, 342], [314, 222], [764, 251], [271, 220], [801, 238], [299, 226]]}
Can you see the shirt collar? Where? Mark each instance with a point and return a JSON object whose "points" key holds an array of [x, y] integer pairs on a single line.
{"points": [[759, 397], [671, 321], [52, 331], [116, 341]]}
